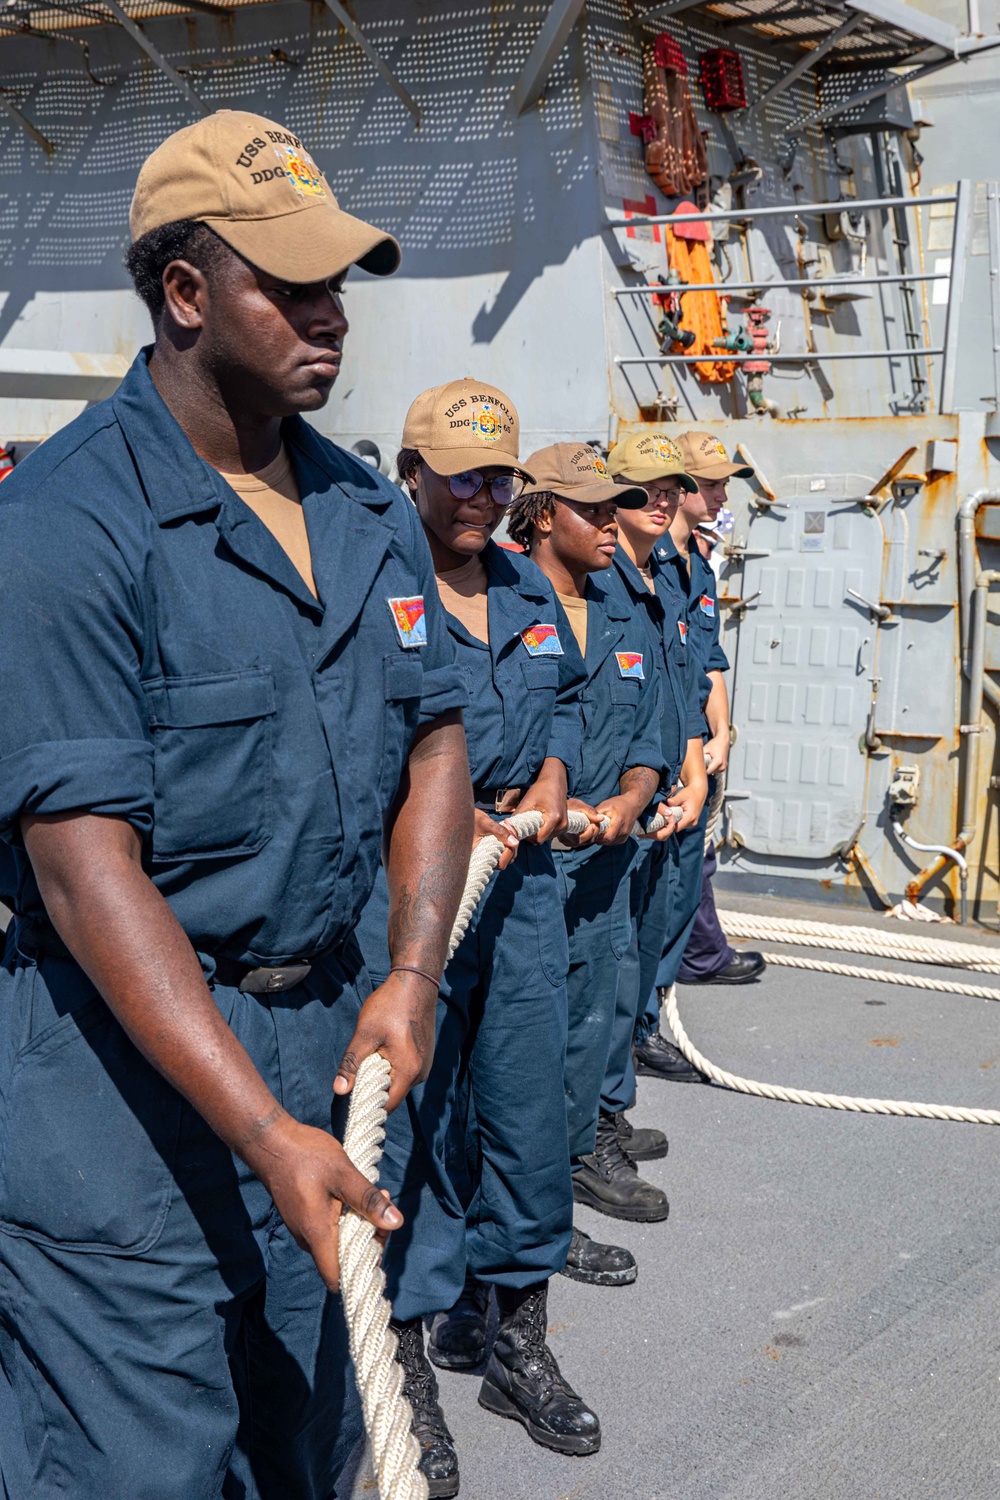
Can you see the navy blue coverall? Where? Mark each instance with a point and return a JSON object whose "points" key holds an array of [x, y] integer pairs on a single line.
{"points": [[703, 620], [477, 1160], [656, 866], [161, 1334], [621, 717]]}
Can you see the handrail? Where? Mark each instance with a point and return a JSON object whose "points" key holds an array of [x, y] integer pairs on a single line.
{"points": [[807, 357], [724, 287], [779, 210]]}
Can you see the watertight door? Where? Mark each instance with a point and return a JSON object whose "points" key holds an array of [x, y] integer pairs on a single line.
{"points": [[802, 686]]}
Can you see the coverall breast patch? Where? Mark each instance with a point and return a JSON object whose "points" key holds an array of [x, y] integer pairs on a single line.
{"points": [[542, 640], [409, 620], [630, 664]]}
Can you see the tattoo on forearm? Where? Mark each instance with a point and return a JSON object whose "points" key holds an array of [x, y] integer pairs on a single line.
{"points": [[415, 925], [641, 781]]}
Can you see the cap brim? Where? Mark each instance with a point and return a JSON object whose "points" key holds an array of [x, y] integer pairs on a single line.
{"points": [[447, 461], [628, 497], [684, 480], [725, 471], [310, 244]]}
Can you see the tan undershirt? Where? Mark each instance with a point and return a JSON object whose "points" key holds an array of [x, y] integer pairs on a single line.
{"points": [[576, 613], [647, 577], [463, 594], [273, 495]]}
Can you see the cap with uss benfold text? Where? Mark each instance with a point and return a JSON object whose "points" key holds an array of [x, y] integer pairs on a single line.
{"points": [[645, 456], [466, 424], [576, 471], [254, 183], [705, 457]]}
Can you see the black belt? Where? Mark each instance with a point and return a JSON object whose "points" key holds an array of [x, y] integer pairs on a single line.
{"points": [[268, 979], [39, 939], [498, 799]]}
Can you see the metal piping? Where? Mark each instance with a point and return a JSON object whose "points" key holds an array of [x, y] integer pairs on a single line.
{"points": [[944, 852], [973, 589], [968, 563]]}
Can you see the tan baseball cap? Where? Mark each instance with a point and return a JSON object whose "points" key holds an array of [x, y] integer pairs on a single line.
{"points": [[256, 185], [466, 424], [576, 471], [644, 456], [705, 457]]}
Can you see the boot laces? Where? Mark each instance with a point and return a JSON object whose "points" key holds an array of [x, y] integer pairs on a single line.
{"points": [[420, 1384], [611, 1156], [528, 1330]]}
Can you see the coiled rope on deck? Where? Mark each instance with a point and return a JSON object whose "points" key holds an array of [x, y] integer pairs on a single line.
{"points": [[806, 1096], [894, 944], [387, 1413]]}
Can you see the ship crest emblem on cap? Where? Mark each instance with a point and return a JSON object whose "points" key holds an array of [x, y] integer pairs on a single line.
{"points": [[666, 450], [486, 423], [720, 450], [301, 171], [600, 468]]}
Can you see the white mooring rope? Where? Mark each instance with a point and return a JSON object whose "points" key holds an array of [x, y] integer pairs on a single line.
{"points": [[804, 1096], [883, 976], [387, 1412], [911, 948]]}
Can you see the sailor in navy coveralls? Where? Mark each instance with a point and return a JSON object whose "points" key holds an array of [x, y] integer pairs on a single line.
{"points": [[479, 1159], [568, 521], [221, 693], [705, 459]]}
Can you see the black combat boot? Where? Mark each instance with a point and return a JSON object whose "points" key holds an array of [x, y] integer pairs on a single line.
{"points": [[641, 1145], [438, 1460], [655, 1057], [522, 1379], [600, 1265], [609, 1181], [457, 1338]]}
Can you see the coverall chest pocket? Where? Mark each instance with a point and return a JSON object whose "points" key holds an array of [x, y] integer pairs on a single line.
{"points": [[212, 763], [624, 702], [541, 678], [91, 1135], [402, 686]]}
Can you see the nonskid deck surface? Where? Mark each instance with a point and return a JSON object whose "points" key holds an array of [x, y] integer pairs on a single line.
{"points": [[817, 1319]]}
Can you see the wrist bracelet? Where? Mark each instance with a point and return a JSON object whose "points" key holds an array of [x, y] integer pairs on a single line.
{"points": [[409, 969]]}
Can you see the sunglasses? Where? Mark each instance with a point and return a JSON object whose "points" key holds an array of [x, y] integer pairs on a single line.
{"points": [[503, 488]]}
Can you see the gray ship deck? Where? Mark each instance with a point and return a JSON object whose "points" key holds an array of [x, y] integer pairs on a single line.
{"points": [[819, 1316]]}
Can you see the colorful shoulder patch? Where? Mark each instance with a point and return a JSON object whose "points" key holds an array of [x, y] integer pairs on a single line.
{"points": [[542, 640], [707, 604], [630, 664], [683, 631], [408, 618]]}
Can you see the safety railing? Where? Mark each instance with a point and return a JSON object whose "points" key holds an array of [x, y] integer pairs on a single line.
{"points": [[947, 351]]}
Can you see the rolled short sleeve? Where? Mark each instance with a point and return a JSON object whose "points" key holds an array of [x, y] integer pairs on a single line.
{"points": [[566, 739], [74, 733], [646, 748], [718, 661], [444, 686]]}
